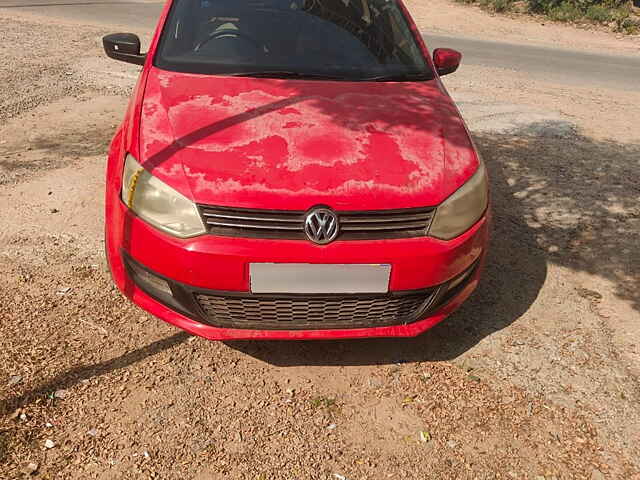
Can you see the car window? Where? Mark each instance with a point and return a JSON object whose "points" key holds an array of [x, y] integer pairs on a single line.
{"points": [[345, 39]]}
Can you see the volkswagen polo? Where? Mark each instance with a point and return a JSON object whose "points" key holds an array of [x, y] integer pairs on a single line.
{"points": [[293, 169]]}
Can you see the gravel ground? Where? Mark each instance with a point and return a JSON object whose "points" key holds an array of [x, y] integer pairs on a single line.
{"points": [[44, 66], [536, 377]]}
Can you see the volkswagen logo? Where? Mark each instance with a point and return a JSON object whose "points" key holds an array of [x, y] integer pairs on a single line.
{"points": [[321, 226]]}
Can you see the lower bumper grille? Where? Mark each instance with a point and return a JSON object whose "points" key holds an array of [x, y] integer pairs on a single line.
{"points": [[313, 312]]}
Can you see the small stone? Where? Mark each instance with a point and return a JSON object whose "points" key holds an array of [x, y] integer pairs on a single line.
{"points": [[63, 291], [93, 432], [332, 426], [61, 394], [49, 444], [591, 295], [48, 425], [23, 417], [31, 468], [15, 380], [452, 444], [54, 210], [146, 455]]}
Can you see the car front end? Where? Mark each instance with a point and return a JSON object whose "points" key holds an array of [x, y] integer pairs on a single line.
{"points": [[291, 206]]}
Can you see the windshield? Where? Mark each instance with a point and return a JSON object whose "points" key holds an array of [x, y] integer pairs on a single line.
{"points": [[333, 39]]}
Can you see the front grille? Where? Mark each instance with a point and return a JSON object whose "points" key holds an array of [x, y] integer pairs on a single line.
{"points": [[289, 225], [313, 312]]}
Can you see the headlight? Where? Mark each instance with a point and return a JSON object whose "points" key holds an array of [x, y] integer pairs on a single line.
{"points": [[463, 209], [159, 204]]}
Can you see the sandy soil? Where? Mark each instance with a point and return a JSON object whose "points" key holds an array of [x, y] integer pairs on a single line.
{"points": [[536, 377]]}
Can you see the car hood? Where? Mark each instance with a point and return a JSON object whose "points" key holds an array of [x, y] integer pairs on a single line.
{"points": [[294, 144]]}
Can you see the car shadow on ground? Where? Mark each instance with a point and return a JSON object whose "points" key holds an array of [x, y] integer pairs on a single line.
{"points": [[68, 379], [558, 198]]}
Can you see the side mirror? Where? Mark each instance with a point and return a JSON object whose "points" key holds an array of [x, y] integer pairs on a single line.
{"points": [[446, 60], [124, 47]]}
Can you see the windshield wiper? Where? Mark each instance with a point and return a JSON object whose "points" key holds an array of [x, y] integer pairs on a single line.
{"points": [[399, 77], [396, 77], [289, 74]]}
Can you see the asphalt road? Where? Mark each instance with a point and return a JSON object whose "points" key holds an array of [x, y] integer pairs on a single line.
{"points": [[555, 65]]}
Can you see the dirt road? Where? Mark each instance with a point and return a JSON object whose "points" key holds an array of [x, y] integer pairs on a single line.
{"points": [[537, 377]]}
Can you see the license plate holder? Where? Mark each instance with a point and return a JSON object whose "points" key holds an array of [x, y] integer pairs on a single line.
{"points": [[305, 278]]}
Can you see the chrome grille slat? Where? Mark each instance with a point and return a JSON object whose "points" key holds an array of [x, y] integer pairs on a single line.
{"points": [[289, 225], [256, 219], [388, 219], [401, 226], [254, 226]]}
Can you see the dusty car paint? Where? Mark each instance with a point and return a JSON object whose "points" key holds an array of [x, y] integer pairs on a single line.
{"points": [[291, 144]]}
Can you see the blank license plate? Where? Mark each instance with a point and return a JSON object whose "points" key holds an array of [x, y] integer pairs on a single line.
{"points": [[318, 279]]}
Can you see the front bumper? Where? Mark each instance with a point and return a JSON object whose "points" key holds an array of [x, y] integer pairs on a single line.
{"points": [[219, 266]]}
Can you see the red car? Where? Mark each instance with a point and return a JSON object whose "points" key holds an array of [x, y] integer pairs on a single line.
{"points": [[293, 169]]}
